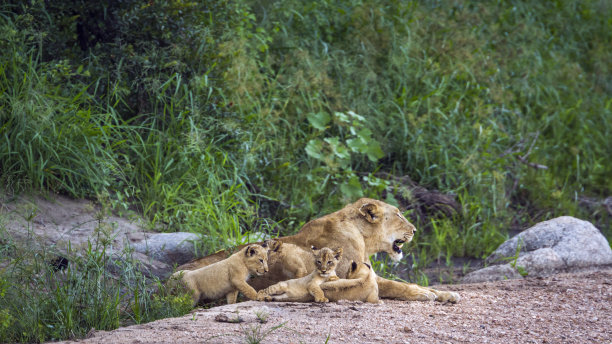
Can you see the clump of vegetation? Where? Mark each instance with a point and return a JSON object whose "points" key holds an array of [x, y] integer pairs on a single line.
{"points": [[46, 294], [228, 118]]}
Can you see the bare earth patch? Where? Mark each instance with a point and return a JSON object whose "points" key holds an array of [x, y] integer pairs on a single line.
{"points": [[566, 308]]}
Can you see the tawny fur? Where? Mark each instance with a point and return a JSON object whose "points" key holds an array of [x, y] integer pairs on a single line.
{"points": [[362, 228], [306, 288], [288, 260], [227, 277], [359, 285]]}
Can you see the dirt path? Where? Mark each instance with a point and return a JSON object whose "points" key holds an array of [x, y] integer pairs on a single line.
{"points": [[568, 308]]}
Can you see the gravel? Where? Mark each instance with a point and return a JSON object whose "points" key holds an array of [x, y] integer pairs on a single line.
{"points": [[565, 308]]}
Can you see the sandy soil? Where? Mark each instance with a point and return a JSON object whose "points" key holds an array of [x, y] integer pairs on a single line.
{"points": [[566, 308]]}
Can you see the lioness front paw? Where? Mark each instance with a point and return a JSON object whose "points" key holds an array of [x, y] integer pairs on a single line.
{"points": [[323, 299], [425, 295], [447, 296]]}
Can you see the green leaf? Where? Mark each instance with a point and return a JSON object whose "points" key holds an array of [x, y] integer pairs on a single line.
{"points": [[374, 151], [341, 117], [356, 116], [314, 148], [318, 120], [351, 189], [357, 145], [337, 147]]}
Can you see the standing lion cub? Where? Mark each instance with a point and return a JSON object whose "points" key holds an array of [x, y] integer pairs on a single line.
{"points": [[306, 288], [227, 277]]}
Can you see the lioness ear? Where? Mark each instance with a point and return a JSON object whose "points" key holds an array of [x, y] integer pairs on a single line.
{"points": [[368, 265], [338, 253], [353, 266], [371, 212]]}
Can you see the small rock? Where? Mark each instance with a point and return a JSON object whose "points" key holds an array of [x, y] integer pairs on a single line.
{"points": [[225, 318]]}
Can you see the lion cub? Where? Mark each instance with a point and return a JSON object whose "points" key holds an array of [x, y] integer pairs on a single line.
{"points": [[227, 277], [288, 260], [360, 285], [306, 288]]}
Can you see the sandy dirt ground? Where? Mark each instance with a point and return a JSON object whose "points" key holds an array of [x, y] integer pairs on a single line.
{"points": [[565, 308]]}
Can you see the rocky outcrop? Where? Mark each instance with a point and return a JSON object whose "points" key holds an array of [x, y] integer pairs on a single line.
{"points": [[168, 248], [558, 245], [62, 224]]}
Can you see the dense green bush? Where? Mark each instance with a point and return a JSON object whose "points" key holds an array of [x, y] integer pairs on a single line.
{"points": [[205, 114]]}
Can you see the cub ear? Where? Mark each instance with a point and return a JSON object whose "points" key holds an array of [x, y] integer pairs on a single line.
{"points": [[338, 253], [371, 212], [353, 266], [250, 251], [272, 244]]}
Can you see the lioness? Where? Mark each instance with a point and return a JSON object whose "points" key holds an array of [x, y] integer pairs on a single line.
{"points": [[306, 288], [359, 285], [362, 228], [227, 277]]}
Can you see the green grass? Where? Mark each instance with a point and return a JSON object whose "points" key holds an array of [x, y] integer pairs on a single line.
{"points": [[250, 116]]}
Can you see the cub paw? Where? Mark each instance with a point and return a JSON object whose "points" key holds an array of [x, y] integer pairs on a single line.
{"points": [[333, 278], [323, 299], [262, 296]]}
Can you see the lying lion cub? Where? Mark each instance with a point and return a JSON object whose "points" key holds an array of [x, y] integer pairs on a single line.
{"points": [[306, 288], [227, 277], [359, 285]]}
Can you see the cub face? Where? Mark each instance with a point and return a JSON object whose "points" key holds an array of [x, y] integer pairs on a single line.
{"points": [[358, 270], [256, 259], [326, 260]]}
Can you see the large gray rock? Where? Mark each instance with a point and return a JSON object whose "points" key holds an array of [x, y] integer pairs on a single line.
{"points": [[492, 273], [169, 248], [561, 244]]}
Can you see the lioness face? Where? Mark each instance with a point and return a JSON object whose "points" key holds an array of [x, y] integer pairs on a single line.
{"points": [[326, 260], [256, 259], [397, 231], [387, 230]]}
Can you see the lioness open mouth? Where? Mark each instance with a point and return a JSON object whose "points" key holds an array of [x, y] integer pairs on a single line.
{"points": [[397, 245]]}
